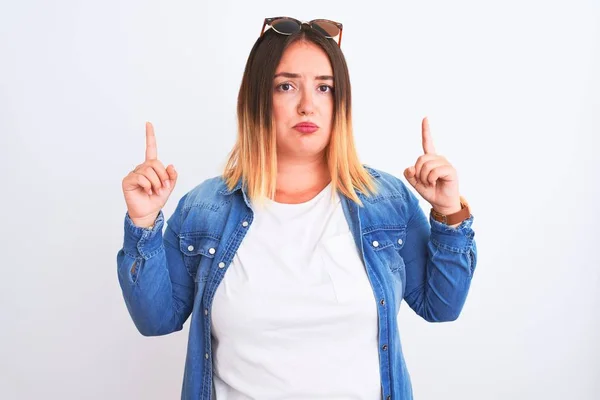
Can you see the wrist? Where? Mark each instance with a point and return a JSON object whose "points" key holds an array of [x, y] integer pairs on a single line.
{"points": [[449, 210], [450, 215], [145, 223]]}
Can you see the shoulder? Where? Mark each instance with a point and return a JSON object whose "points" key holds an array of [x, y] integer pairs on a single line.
{"points": [[203, 208], [210, 193], [388, 187], [392, 206]]}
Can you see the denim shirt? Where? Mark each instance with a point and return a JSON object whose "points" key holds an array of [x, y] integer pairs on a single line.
{"points": [[166, 277]]}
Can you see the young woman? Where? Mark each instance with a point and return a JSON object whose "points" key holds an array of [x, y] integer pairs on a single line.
{"points": [[293, 263]]}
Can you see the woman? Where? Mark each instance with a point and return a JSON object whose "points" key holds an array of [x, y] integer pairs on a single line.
{"points": [[294, 262]]}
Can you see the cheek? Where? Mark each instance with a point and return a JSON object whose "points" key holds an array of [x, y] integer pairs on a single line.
{"points": [[327, 105], [282, 109], [282, 119], [276, 111], [328, 110]]}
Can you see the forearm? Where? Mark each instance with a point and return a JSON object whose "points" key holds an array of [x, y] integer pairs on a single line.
{"points": [[444, 292], [157, 303], [439, 267]]}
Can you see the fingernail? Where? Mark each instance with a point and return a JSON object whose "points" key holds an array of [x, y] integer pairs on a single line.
{"points": [[149, 192], [168, 184]]}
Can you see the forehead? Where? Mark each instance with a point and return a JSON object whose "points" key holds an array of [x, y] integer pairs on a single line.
{"points": [[305, 58]]}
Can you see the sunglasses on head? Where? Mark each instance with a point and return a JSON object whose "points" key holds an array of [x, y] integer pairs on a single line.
{"points": [[289, 26]]}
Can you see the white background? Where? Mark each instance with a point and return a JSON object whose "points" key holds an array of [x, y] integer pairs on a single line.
{"points": [[512, 92]]}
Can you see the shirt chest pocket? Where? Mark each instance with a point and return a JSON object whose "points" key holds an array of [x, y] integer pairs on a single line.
{"points": [[198, 251], [386, 242]]}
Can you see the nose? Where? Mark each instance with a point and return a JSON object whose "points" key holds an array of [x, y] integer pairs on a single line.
{"points": [[306, 105]]}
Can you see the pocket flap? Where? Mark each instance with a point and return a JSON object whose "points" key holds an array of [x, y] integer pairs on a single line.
{"points": [[382, 237], [195, 243]]}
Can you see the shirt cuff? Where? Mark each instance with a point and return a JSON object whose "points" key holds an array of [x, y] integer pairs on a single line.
{"points": [[143, 242], [458, 239]]}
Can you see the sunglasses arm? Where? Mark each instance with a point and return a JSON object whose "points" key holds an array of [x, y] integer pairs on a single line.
{"points": [[263, 28]]}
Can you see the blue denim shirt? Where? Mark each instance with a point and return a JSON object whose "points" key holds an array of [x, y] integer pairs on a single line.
{"points": [[166, 277]]}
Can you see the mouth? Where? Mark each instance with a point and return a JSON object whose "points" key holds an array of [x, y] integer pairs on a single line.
{"points": [[306, 127]]}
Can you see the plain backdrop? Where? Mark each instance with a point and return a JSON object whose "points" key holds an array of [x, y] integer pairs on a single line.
{"points": [[512, 92]]}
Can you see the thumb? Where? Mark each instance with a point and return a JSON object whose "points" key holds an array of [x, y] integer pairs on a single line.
{"points": [[409, 174]]}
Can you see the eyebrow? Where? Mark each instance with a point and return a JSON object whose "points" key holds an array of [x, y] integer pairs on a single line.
{"points": [[292, 75]]}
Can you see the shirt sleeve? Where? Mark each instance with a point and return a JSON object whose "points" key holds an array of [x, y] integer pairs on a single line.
{"points": [[439, 264], [156, 285]]}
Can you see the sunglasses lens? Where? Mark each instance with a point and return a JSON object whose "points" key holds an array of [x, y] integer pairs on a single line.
{"points": [[285, 26], [327, 28]]}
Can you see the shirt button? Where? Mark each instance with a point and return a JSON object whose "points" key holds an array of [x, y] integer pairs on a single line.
{"points": [[221, 265], [206, 311], [382, 302], [388, 398], [399, 241], [190, 248], [211, 250], [375, 243], [384, 347], [206, 356], [245, 224]]}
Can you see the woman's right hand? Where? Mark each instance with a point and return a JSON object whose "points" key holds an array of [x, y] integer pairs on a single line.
{"points": [[148, 187]]}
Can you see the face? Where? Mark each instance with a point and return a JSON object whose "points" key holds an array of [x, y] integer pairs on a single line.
{"points": [[303, 93]]}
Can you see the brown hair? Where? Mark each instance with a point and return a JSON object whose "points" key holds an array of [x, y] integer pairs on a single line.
{"points": [[254, 158]]}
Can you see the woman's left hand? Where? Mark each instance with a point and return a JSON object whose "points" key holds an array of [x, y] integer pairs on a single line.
{"points": [[433, 177]]}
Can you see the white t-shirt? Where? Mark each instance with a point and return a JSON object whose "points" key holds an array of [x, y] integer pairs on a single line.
{"points": [[295, 316]]}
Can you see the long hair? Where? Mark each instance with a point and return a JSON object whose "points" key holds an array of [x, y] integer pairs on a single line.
{"points": [[253, 158]]}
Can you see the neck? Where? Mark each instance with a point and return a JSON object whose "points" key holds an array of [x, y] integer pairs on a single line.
{"points": [[300, 180]]}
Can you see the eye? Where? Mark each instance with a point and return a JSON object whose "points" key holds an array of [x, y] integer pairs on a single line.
{"points": [[325, 88], [284, 87]]}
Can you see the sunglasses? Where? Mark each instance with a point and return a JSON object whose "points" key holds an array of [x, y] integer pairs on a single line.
{"points": [[289, 26]]}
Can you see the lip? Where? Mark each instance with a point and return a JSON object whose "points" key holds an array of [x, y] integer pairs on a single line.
{"points": [[306, 127]]}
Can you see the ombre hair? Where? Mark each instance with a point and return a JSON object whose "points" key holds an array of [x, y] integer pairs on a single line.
{"points": [[253, 159]]}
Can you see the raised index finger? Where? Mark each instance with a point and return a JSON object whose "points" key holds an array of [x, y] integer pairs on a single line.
{"points": [[150, 142], [428, 147]]}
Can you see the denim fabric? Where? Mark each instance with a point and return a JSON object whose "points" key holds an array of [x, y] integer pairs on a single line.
{"points": [[167, 276]]}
